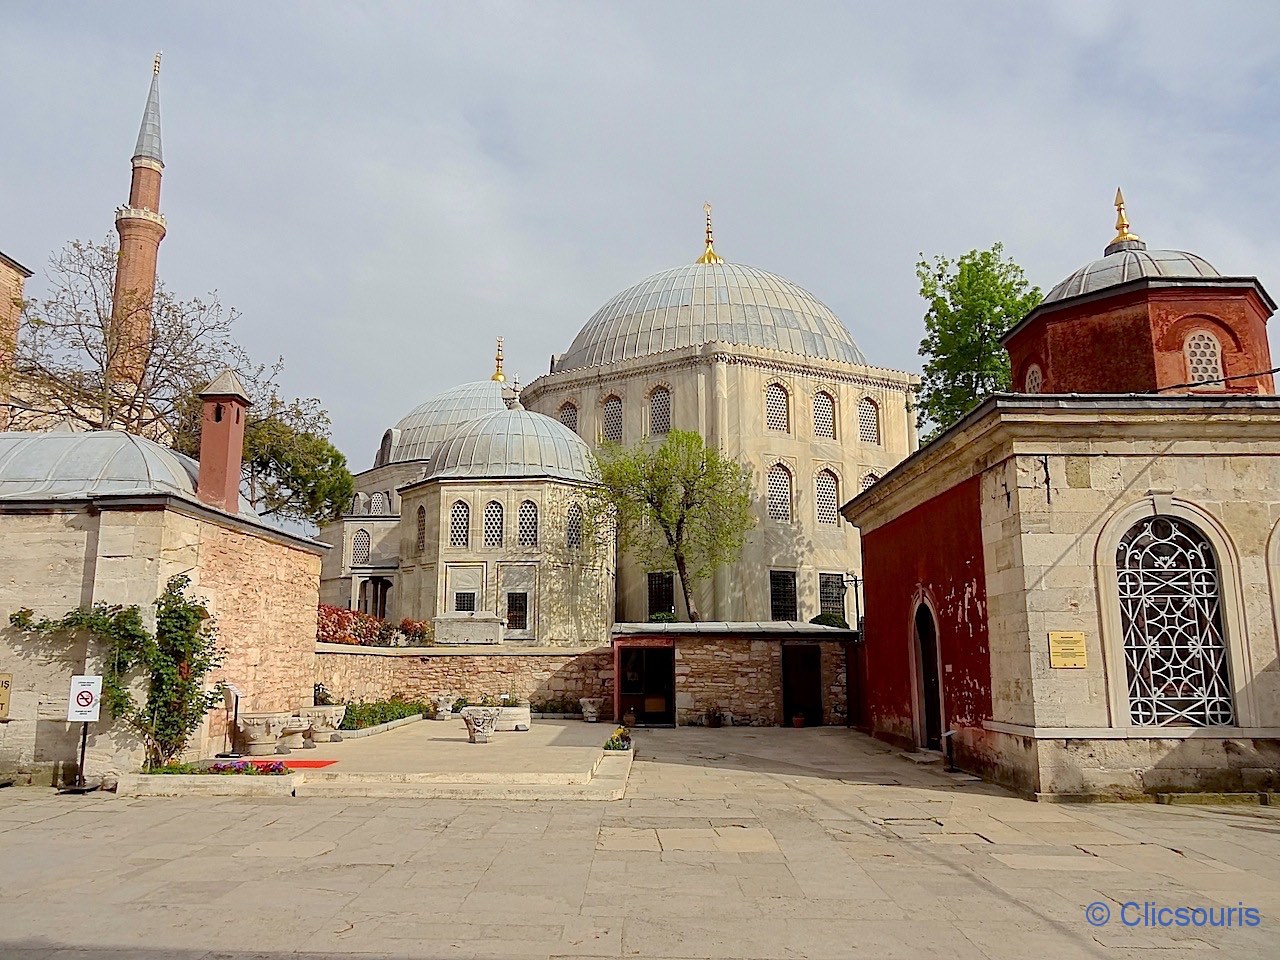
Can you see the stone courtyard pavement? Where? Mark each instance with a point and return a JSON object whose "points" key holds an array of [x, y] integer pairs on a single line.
{"points": [[737, 843]]}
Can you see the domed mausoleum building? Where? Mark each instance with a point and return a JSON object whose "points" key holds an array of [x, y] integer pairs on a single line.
{"points": [[764, 371]]}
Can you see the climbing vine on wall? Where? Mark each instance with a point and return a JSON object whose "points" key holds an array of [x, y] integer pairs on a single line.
{"points": [[174, 661]]}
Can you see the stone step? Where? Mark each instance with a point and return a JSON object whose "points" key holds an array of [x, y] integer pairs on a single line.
{"points": [[921, 756], [601, 788]]}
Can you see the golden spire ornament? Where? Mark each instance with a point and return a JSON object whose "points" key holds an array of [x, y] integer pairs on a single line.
{"points": [[1122, 221], [498, 375], [709, 255]]}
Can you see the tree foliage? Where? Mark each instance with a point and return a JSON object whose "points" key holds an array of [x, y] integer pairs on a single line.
{"points": [[972, 302], [681, 504], [64, 357]]}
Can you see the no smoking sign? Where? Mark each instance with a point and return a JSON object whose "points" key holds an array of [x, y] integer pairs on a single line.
{"points": [[85, 701]]}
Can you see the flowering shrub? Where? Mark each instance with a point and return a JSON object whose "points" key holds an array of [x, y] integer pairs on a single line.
{"points": [[236, 768], [417, 632], [339, 625], [621, 740]]}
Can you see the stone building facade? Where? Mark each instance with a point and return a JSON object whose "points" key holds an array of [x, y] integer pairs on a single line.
{"points": [[13, 278]]}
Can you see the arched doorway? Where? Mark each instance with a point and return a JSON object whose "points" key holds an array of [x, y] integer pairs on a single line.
{"points": [[929, 690]]}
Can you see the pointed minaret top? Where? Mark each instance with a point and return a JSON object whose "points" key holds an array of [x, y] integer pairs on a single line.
{"points": [[149, 136], [498, 375], [709, 255], [1123, 240]]}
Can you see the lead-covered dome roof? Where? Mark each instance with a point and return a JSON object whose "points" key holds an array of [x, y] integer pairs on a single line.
{"points": [[705, 302], [1131, 261], [418, 434], [512, 443]]}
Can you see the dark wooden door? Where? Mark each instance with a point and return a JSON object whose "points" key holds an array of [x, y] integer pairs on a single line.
{"points": [[802, 684], [648, 684], [931, 692]]}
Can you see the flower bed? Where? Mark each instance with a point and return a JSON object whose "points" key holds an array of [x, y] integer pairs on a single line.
{"points": [[621, 740], [351, 627], [274, 768], [362, 715]]}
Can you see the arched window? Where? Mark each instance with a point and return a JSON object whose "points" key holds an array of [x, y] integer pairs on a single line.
{"points": [[869, 480], [1035, 379], [824, 415], [611, 422], [459, 524], [1171, 619], [779, 493], [360, 544], [827, 497], [1204, 358], [573, 527], [777, 408], [868, 421], [493, 524], [378, 505], [421, 541], [384, 450], [659, 411], [569, 416], [527, 534]]}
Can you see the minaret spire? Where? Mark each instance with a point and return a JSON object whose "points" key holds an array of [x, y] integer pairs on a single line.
{"points": [[141, 228], [709, 255], [498, 375]]}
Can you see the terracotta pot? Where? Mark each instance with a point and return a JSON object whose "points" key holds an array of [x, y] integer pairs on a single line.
{"points": [[629, 718], [798, 720]]}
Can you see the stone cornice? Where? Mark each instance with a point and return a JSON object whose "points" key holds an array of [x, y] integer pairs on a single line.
{"points": [[140, 213]]}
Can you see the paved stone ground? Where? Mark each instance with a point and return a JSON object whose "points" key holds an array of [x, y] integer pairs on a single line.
{"points": [[731, 843]]}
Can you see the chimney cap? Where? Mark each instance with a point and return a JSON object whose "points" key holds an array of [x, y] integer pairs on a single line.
{"points": [[227, 385]]}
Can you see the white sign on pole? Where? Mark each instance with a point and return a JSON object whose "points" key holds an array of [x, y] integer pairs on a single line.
{"points": [[85, 701]]}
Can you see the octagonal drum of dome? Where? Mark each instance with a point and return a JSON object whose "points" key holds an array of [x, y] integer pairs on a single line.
{"points": [[1131, 264], [513, 443], [708, 302], [416, 436]]}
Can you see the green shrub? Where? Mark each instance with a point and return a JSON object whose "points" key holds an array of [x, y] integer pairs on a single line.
{"points": [[362, 715], [831, 620], [662, 617]]}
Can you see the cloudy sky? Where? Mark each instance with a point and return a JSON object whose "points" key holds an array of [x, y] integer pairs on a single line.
{"points": [[381, 189]]}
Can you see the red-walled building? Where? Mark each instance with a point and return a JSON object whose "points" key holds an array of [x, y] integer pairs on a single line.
{"points": [[1078, 584]]}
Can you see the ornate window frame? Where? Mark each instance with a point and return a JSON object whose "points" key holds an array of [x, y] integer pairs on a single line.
{"points": [[622, 417], [788, 397], [833, 395], [648, 408]]}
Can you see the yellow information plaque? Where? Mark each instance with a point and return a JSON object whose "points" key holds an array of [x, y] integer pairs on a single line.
{"points": [[1067, 651], [6, 682]]}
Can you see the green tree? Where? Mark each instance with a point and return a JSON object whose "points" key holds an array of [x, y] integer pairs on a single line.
{"points": [[972, 302], [680, 504], [295, 474]]}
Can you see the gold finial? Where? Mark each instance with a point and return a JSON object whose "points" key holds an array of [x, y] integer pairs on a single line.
{"points": [[498, 375], [1122, 221], [709, 255], [155, 66]]}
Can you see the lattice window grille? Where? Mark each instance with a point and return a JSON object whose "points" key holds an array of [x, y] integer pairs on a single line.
{"points": [[824, 415], [869, 480], [831, 593], [527, 526], [573, 527], [662, 592], [493, 524], [660, 411], [612, 420], [779, 493], [360, 546], [569, 416], [517, 611], [464, 601], [421, 540], [459, 524], [868, 421], [782, 595], [1035, 379], [827, 497], [777, 415], [378, 504], [1204, 358], [1171, 618]]}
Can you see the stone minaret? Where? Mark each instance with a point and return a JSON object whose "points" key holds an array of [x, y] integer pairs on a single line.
{"points": [[141, 228]]}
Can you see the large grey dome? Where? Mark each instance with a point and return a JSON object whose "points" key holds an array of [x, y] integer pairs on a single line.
{"points": [[704, 302], [513, 443], [416, 436], [63, 465], [1131, 264]]}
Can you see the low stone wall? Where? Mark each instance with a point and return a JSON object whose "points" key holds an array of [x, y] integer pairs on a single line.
{"points": [[377, 673]]}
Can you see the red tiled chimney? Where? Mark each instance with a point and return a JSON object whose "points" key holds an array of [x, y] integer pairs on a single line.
{"points": [[222, 442]]}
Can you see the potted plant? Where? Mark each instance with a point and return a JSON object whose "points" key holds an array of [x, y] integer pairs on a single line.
{"points": [[514, 713], [797, 720], [629, 717], [714, 716]]}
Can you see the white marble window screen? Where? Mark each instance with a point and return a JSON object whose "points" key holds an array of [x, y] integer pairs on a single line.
{"points": [[1035, 379], [777, 414], [779, 493], [824, 415], [493, 524], [459, 524], [573, 527], [827, 497], [527, 524], [377, 504], [660, 411], [868, 421], [1204, 359], [569, 416], [869, 480], [612, 420], [1171, 618], [360, 545], [421, 539]]}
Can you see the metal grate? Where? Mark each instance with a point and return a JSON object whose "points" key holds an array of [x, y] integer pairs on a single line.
{"points": [[1171, 616], [459, 524], [660, 411], [831, 591], [360, 545], [827, 497], [421, 540], [1204, 357], [465, 602], [493, 524], [782, 595], [517, 611], [868, 421], [612, 429], [527, 528], [378, 504], [662, 592], [779, 493], [777, 415], [869, 480], [824, 415], [1035, 379], [569, 416], [573, 527]]}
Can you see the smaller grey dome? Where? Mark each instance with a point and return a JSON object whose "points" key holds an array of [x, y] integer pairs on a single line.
{"points": [[512, 443], [1131, 262], [415, 437]]}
